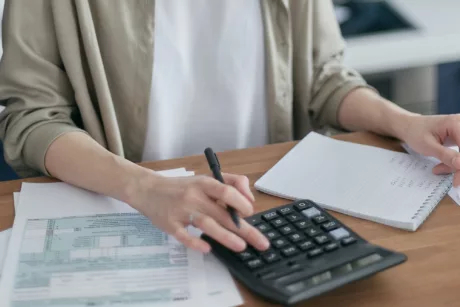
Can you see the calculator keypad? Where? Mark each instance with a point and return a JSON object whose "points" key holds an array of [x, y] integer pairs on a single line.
{"points": [[280, 242], [302, 224], [263, 227], [310, 250], [312, 231], [320, 219], [297, 229], [278, 222], [285, 230], [254, 264], [272, 234], [271, 256], [289, 251], [302, 206], [296, 237], [294, 217]]}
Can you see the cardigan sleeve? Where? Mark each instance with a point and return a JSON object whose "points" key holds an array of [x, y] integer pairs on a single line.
{"points": [[34, 88]]}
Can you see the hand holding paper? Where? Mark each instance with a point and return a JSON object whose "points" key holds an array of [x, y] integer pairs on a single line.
{"points": [[434, 136], [454, 192]]}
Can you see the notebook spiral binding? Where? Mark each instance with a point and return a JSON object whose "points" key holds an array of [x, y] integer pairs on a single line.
{"points": [[435, 197]]}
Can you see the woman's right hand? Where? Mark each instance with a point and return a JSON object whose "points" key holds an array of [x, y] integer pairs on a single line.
{"points": [[171, 202]]}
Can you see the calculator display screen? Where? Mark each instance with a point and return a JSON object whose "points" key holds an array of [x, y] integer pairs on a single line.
{"points": [[344, 269]]}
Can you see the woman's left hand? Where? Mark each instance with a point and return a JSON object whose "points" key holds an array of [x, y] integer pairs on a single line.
{"points": [[430, 136]]}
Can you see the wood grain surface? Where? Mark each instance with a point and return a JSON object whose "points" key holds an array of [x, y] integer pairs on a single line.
{"points": [[430, 277]]}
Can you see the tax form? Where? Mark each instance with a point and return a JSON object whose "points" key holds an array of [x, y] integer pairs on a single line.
{"points": [[71, 247], [4, 239]]}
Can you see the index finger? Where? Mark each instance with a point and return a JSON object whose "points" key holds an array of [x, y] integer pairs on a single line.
{"points": [[228, 195], [241, 183], [251, 235], [246, 231]]}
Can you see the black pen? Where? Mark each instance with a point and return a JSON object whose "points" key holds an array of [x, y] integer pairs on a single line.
{"points": [[214, 165]]}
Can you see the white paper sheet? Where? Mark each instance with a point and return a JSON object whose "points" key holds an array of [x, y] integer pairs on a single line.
{"points": [[454, 192], [4, 239], [50, 202]]}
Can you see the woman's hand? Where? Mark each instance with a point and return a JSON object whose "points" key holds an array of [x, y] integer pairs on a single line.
{"points": [[170, 203], [428, 135]]}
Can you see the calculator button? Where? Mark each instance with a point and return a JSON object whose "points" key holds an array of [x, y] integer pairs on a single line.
{"points": [[263, 227], [254, 264], [289, 251], [280, 242], [322, 239], [348, 241], [293, 276], [328, 226], [245, 255], [302, 206], [285, 211], [331, 246], [311, 212], [339, 233], [268, 275], [296, 237], [312, 231], [315, 252], [272, 234], [306, 245], [271, 257], [302, 224], [296, 287], [254, 220], [285, 230], [294, 217], [279, 222], [270, 216], [320, 219]]}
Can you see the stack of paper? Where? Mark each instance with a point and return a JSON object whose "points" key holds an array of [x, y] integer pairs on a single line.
{"points": [[4, 239], [72, 247]]}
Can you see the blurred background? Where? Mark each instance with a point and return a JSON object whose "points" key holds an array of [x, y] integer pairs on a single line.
{"points": [[408, 49]]}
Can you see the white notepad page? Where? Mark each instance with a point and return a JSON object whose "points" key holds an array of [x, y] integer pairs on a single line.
{"points": [[388, 187]]}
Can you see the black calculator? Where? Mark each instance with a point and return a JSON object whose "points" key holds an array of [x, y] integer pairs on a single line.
{"points": [[311, 253]]}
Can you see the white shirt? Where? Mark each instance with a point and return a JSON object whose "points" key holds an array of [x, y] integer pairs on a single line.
{"points": [[208, 84]]}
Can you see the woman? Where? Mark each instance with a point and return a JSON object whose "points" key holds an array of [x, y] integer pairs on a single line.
{"points": [[92, 86]]}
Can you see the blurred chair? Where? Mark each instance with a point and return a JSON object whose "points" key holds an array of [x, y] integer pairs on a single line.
{"points": [[6, 173], [369, 17]]}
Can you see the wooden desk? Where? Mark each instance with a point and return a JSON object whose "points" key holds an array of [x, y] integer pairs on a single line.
{"points": [[430, 277]]}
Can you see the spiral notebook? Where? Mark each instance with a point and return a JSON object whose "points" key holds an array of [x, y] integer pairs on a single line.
{"points": [[388, 187]]}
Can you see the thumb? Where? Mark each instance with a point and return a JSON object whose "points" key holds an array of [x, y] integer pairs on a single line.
{"points": [[241, 183], [442, 169], [448, 156]]}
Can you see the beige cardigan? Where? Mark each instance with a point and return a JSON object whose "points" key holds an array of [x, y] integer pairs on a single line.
{"points": [[71, 65]]}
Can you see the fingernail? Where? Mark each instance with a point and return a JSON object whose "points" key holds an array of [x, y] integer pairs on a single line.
{"points": [[264, 244], [240, 244]]}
